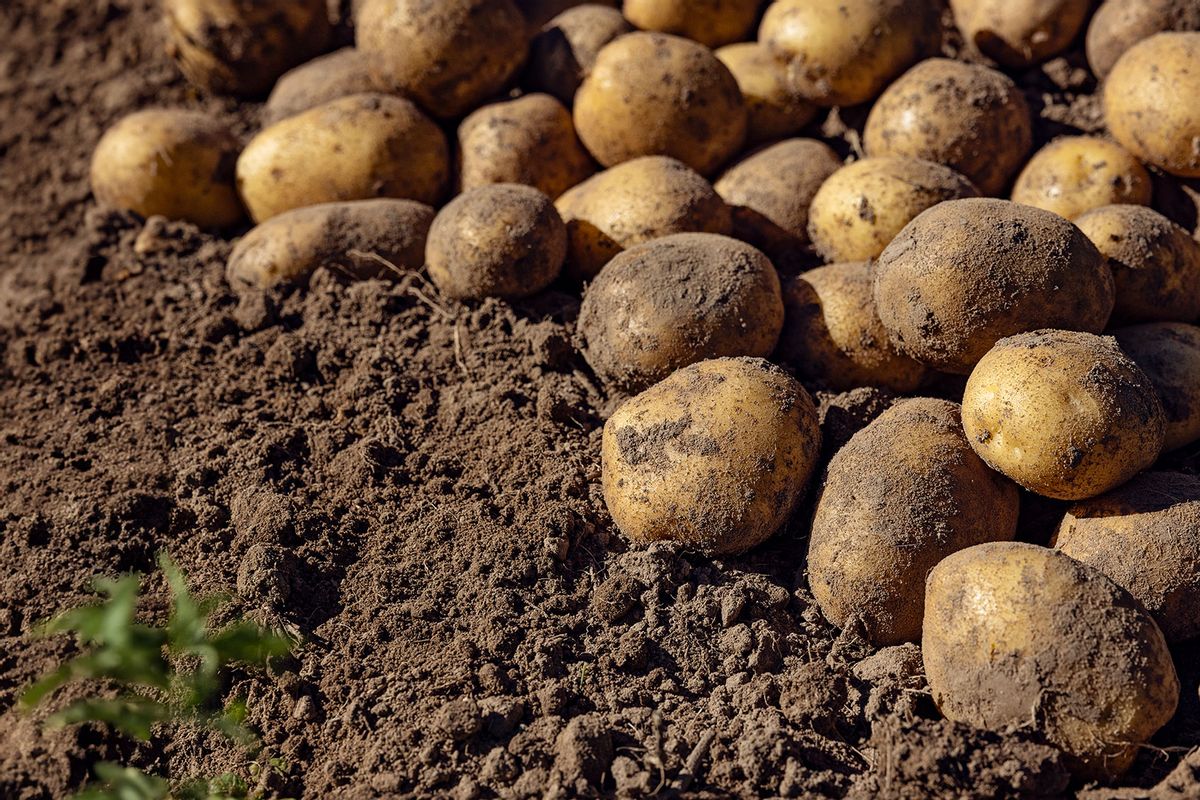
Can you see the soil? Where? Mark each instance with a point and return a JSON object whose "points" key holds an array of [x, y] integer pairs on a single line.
{"points": [[411, 487]]}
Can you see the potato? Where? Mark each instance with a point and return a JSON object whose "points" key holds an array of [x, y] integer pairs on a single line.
{"points": [[965, 116], [340, 74], [360, 240], [448, 55], [901, 495], [715, 457], [540, 12], [1150, 102], [563, 53], [1024, 636], [1065, 414], [1169, 354], [710, 22], [844, 53], [530, 140], [1119, 24], [654, 94], [354, 148], [632, 203], [677, 300], [1145, 535], [1155, 263], [173, 163], [1020, 33], [503, 240], [774, 109], [1075, 174], [239, 47], [859, 210], [967, 273]]}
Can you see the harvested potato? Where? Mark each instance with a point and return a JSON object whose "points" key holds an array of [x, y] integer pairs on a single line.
{"points": [[503, 240], [1169, 354], [1021, 635], [354, 148], [1065, 414], [715, 457], [340, 74], [632, 203], [563, 53], [530, 140], [710, 22], [901, 495], [1120, 24], [1155, 263], [859, 210], [654, 94], [235, 47], [360, 240], [970, 118], [1075, 174], [172, 163], [1150, 102], [774, 109], [448, 56], [1019, 33], [677, 300], [967, 273], [540, 12], [842, 54]]}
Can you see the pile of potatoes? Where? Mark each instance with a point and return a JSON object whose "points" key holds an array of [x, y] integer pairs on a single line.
{"points": [[1033, 313]]}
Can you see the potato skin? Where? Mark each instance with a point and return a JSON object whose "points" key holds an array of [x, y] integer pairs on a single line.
{"points": [[1065, 414], [677, 300], [563, 53], [340, 74], [541, 12], [1016, 634], [775, 109], [654, 94], [1075, 174], [354, 148], [714, 457], [1120, 24], [1155, 263], [359, 239], [712, 23], [1169, 354], [173, 163], [1020, 33], [967, 273], [905, 492], [1149, 102]]}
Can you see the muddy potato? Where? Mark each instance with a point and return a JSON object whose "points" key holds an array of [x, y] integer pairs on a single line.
{"points": [[967, 273], [1169, 354], [1155, 263], [1021, 635], [173, 163], [448, 55], [359, 240], [859, 210], [1075, 174], [354, 148], [710, 22], [503, 240], [901, 495], [632, 203], [654, 94], [1120, 24], [1065, 414], [1019, 33], [677, 300], [844, 53], [714, 457], [775, 109], [1150, 102], [339, 74], [564, 51]]}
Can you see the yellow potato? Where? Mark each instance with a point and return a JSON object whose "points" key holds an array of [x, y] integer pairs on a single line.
{"points": [[1169, 354], [1075, 174], [1118, 25], [710, 22], [1019, 33], [339, 74], [563, 53], [775, 109]]}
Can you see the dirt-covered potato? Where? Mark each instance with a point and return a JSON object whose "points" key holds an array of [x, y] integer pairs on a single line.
{"points": [[1021, 635], [1169, 354], [361, 239], [355, 148], [339, 74], [1150, 102], [844, 53], [710, 22], [655, 94], [859, 210], [677, 300], [503, 240], [173, 163], [832, 334], [901, 495], [1065, 414], [715, 457], [1018, 33], [967, 273], [1075, 174], [448, 55], [775, 109], [1155, 263], [563, 53], [239, 47], [970, 118], [632, 203], [1120, 24], [540, 12]]}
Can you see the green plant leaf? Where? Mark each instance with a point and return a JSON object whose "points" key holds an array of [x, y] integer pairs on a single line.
{"points": [[132, 715], [124, 783]]}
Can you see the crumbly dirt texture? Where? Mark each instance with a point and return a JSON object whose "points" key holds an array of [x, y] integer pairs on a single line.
{"points": [[413, 487]]}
